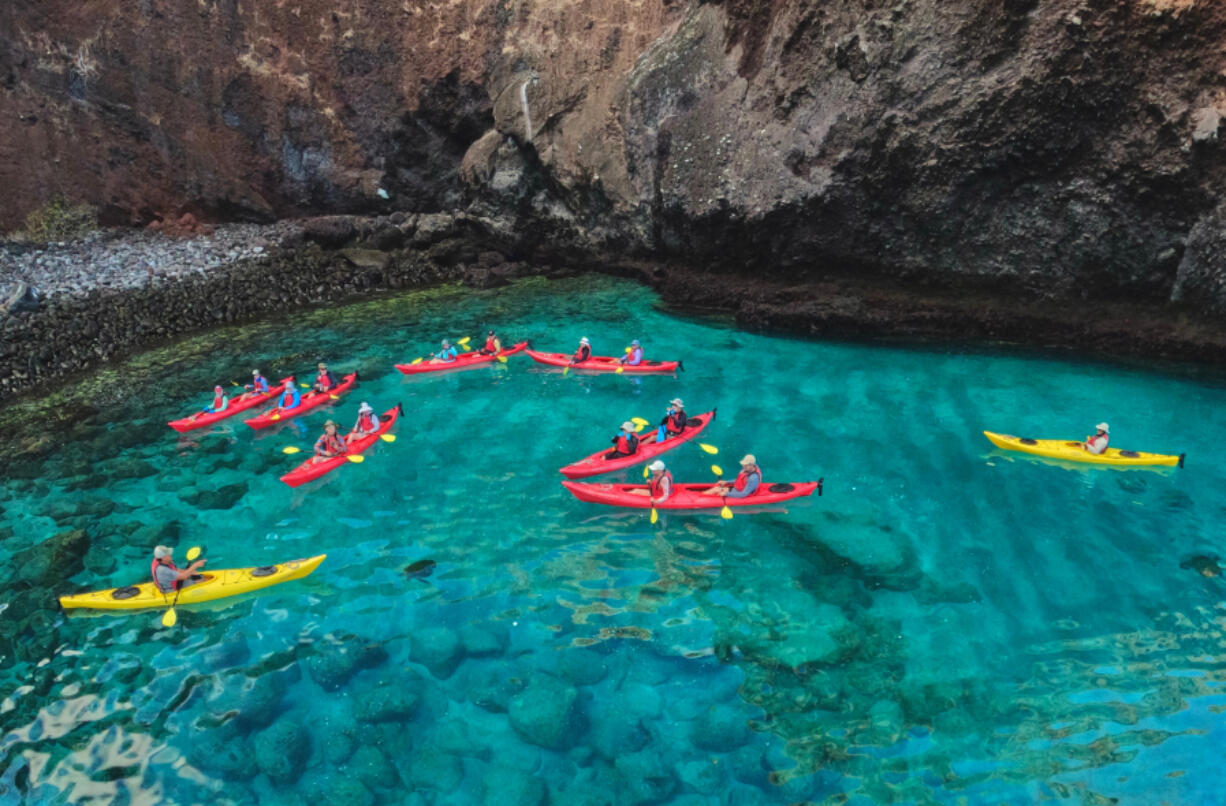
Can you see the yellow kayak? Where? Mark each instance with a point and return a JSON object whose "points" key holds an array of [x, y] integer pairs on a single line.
{"points": [[215, 585], [1076, 452]]}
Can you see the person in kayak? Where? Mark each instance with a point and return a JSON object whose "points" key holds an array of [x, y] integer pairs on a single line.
{"points": [[167, 577], [583, 353], [325, 380], [330, 445], [659, 486], [220, 403], [367, 424], [1097, 444], [674, 421], [746, 484], [290, 399], [258, 385], [445, 356], [625, 443], [633, 356], [493, 345]]}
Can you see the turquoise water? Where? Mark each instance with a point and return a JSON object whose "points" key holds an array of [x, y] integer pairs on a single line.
{"points": [[948, 624]]}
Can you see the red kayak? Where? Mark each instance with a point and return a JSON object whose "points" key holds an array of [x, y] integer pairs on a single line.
{"points": [[687, 496], [602, 363], [308, 401], [648, 449], [462, 361], [190, 423], [311, 470]]}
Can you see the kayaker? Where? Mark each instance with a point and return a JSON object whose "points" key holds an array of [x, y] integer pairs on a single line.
{"points": [[746, 484], [325, 379], [258, 385], [330, 445], [583, 353], [167, 577], [444, 356], [633, 356], [625, 443], [674, 421], [290, 399], [659, 486], [367, 424], [1097, 444], [493, 345], [220, 402]]}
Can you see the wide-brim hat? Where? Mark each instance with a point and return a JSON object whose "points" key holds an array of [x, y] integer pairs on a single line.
{"points": [[1106, 429], [749, 459], [656, 466]]}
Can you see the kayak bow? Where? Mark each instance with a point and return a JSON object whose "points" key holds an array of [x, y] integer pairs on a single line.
{"points": [[215, 585], [1075, 452], [649, 448], [311, 470], [601, 363], [306, 403], [236, 406], [462, 361]]}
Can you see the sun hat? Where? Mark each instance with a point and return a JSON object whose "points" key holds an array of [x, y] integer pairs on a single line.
{"points": [[446, 343], [255, 372], [749, 459], [331, 423], [218, 388], [678, 401], [635, 343], [656, 466], [365, 407], [322, 365], [162, 551], [627, 426], [1104, 428], [584, 340]]}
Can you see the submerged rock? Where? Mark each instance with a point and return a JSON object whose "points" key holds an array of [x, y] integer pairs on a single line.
{"points": [[391, 700], [719, 729], [438, 649], [338, 658], [547, 713], [281, 751], [370, 766]]}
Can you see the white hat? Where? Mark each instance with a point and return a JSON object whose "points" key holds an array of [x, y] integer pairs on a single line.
{"points": [[749, 459], [162, 551], [365, 407], [255, 372], [584, 340], [656, 466], [627, 426], [678, 401], [1106, 429]]}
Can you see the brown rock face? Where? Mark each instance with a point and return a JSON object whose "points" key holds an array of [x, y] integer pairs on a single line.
{"points": [[1057, 149]]}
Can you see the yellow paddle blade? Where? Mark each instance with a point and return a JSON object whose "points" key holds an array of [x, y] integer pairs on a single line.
{"points": [[170, 618], [334, 397], [565, 371], [502, 359], [726, 513], [388, 437], [638, 429], [655, 516], [275, 417], [717, 470], [646, 471], [193, 553], [629, 350], [356, 458], [305, 385], [291, 449], [415, 362], [711, 449], [464, 340], [232, 383], [619, 370], [639, 421]]}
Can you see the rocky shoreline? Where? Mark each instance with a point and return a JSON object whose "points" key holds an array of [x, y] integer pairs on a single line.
{"points": [[116, 293]]}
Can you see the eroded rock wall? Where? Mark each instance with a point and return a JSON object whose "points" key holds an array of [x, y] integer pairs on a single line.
{"points": [[1033, 149]]}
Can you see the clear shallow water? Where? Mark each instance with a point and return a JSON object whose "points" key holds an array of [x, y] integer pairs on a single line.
{"points": [[949, 624]]}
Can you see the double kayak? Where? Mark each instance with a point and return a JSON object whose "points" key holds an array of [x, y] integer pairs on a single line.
{"points": [[1075, 452], [214, 585], [306, 403], [649, 448], [311, 470], [687, 496], [602, 363], [235, 406], [462, 361]]}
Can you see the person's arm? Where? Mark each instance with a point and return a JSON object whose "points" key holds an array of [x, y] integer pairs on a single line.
{"points": [[666, 489], [189, 571], [751, 487]]}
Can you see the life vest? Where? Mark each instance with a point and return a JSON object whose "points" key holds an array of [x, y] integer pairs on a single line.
{"points": [[636, 356], [583, 353], [627, 443], [1092, 443], [218, 401], [153, 572], [367, 423], [324, 382], [329, 444], [492, 345], [676, 422], [656, 487], [288, 397], [742, 479], [260, 385]]}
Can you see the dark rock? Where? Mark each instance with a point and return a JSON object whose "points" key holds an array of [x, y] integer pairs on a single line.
{"points": [[372, 768], [223, 750], [719, 729], [583, 667], [390, 700], [337, 659], [430, 769], [224, 497], [330, 231], [645, 777], [281, 751], [438, 649], [547, 713]]}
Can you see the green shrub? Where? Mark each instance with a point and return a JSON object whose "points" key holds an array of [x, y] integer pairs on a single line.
{"points": [[59, 220]]}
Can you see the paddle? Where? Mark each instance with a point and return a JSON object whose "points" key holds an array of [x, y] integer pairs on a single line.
{"points": [[655, 516], [170, 618], [356, 458], [711, 449], [415, 362], [620, 369], [639, 421], [291, 449]]}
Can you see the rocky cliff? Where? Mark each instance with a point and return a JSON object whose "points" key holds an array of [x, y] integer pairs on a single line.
{"points": [[1031, 151]]}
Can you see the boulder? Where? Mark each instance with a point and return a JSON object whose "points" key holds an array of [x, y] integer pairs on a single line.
{"points": [[253, 701], [339, 658], [505, 786], [480, 642], [438, 649], [719, 729], [372, 768], [329, 231], [393, 700], [224, 497], [583, 667], [431, 769], [223, 750], [327, 787], [493, 686], [281, 751], [645, 777], [547, 713]]}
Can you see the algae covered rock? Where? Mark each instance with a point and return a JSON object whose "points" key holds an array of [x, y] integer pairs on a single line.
{"points": [[281, 751], [327, 787], [547, 713], [438, 649], [719, 729], [645, 777], [223, 750], [432, 769], [338, 658], [372, 768], [505, 786], [392, 700], [481, 642], [253, 702], [583, 667], [224, 497]]}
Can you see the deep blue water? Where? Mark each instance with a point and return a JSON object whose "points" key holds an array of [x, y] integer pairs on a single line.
{"points": [[948, 624]]}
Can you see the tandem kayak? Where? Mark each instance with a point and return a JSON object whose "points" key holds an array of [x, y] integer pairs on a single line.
{"points": [[462, 361], [687, 496], [191, 423], [309, 401], [311, 470], [648, 449], [1076, 452], [602, 363], [214, 585]]}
